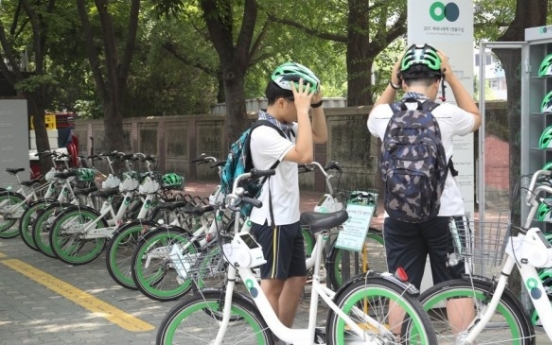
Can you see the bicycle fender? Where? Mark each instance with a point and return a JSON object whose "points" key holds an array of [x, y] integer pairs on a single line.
{"points": [[145, 222], [407, 287]]}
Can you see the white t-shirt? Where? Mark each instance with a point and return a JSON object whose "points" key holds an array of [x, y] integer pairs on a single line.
{"points": [[267, 147], [452, 121]]}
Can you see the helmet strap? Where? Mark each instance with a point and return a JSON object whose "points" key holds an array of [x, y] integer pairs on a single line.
{"points": [[443, 97]]}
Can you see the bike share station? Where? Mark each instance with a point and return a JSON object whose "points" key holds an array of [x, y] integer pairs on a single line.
{"points": [[535, 107]]}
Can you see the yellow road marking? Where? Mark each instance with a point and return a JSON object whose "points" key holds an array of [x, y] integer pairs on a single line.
{"points": [[82, 298], [2, 255]]}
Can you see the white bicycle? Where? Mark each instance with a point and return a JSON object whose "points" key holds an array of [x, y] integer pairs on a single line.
{"points": [[499, 315], [358, 312]]}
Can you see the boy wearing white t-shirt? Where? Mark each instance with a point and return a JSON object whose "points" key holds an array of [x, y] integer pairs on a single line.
{"points": [[419, 73], [292, 91]]}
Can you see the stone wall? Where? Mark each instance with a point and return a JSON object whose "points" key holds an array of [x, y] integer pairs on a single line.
{"points": [[176, 140]]}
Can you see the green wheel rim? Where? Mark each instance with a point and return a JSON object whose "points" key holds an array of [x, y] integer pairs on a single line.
{"points": [[417, 334], [26, 224], [6, 230], [41, 232], [212, 305], [69, 247], [146, 282], [469, 293], [124, 275]]}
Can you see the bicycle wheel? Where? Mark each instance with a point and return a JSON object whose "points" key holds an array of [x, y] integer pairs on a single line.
{"points": [[196, 321], [42, 226], [380, 299], [120, 251], [153, 269], [27, 220], [67, 236], [509, 323], [10, 213], [343, 264]]}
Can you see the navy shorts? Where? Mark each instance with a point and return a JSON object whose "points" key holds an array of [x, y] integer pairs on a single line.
{"points": [[283, 249], [407, 245]]}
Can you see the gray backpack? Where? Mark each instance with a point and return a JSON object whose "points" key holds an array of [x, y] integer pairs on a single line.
{"points": [[413, 163]]}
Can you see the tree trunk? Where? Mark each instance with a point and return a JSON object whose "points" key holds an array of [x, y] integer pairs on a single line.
{"points": [[113, 124], [359, 63], [37, 112], [236, 116]]}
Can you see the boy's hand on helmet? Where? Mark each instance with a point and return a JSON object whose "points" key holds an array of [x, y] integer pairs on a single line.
{"points": [[302, 96], [445, 64]]}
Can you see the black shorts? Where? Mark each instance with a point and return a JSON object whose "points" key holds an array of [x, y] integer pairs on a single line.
{"points": [[283, 249], [407, 245]]}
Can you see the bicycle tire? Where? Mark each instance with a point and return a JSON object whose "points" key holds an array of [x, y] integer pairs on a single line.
{"points": [[374, 293], [27, 220], [42, 226], [120, 251], [195, 320], [8, 199], [376, 259], [71, 248], [510, 323], [158, 280]]}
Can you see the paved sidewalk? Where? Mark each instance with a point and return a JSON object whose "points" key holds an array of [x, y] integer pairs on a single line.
{"points": [[44, 301]]}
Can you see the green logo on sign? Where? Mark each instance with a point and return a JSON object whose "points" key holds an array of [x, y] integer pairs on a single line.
{"points": [[439, 11]]}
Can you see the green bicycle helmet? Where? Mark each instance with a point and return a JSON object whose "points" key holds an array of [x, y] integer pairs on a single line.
{"points": [[547, 166], [85, 174], [546, 105], [420, 62], [290, 72], [546, 136], [546, 66], [172, 181]]}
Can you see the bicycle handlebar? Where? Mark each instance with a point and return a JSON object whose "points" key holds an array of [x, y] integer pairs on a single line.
{"points": [[203, 158], [533, 191]]}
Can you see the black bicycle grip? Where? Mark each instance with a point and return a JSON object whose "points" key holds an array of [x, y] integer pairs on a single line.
{"points": [[150, 158], [255, 202], [218, 164], [260, 173]]}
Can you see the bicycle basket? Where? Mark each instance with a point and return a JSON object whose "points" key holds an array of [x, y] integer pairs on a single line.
{"points": [[481, 244]]}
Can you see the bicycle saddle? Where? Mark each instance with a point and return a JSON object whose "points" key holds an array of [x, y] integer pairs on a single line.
{"points": [[85, 191], [29, 183], [106, 193], [65, 175], [171, 206], [323, 221], [199, 210], [14, 171]]}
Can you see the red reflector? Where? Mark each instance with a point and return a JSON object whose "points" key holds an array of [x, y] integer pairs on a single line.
{"points": [[400, 273]]}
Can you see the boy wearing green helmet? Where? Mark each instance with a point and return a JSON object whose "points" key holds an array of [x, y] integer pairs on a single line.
{"points": [[419, 73], [292, 93]]}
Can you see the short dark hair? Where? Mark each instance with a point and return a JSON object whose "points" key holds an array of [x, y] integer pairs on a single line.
{"points": [[273, 92]]}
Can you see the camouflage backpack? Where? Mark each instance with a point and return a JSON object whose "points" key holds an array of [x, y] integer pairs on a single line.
{"points": [[413, 163]]}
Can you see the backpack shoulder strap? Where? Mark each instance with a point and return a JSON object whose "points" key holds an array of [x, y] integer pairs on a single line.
{"points": [[260, 123]]}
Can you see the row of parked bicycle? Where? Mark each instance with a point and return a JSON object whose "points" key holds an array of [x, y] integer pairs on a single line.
{"points": [[166, 243], [159, 239]]}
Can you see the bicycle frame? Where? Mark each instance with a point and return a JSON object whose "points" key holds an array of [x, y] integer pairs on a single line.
{"points": [[295, 336], [526, 251]]}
